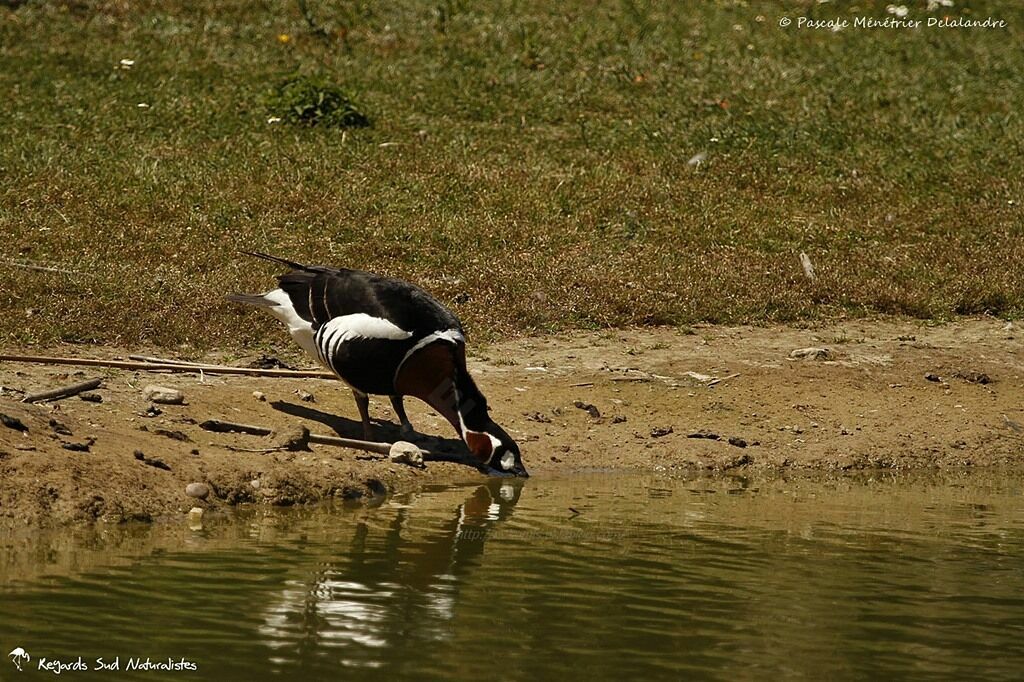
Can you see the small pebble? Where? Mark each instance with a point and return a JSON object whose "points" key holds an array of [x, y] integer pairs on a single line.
{"points": [[91, 397], [163, 395], [974, 377], [197, 490], [79, 447], [292, 438], [305, 397], [403, 452], [12, 422], [151, 461], [260, 396], [933, 377], [811, 354]]}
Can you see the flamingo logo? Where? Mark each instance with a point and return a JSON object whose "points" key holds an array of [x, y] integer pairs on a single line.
{"points": [[19, 656]]}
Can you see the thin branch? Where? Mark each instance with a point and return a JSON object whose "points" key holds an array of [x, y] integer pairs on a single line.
{"points": [[171, 367], [64, 392], [220, 426], [228, 427], [159, 361]]}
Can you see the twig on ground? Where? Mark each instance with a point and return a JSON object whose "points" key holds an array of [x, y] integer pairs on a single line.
{"points": [[171, 367], [63, 392], [220, 426], [159, 361], [227, 427]]}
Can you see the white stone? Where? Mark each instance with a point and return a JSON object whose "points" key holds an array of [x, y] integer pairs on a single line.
{"points": [[811, 354], [403, 452], [163, 395]]}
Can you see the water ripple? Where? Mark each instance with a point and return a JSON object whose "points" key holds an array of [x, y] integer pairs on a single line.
{"points": [[648, 579]]}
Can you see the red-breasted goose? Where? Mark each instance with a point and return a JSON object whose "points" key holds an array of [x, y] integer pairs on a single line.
{"points": [[385, 336]]}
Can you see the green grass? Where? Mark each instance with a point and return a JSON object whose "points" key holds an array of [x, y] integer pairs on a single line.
{"points": [[527, 163]]}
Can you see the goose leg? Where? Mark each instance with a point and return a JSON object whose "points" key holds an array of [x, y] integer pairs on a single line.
{"points": [[399, 407], [363, 403]]}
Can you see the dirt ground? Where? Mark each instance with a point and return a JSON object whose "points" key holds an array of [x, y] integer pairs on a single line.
{"points": [[894, 395]]}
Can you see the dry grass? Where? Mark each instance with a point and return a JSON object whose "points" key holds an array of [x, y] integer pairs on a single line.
{"points": [[528, 163]]}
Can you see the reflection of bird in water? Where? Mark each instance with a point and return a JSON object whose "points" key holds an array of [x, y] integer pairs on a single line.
{"points": [[394, 584], [385, 336]]}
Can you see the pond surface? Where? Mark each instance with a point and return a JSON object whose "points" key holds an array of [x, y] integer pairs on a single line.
{"points": [[593, 576]]}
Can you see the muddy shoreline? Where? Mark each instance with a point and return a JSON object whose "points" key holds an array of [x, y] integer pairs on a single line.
{"points": [[892, 394]]}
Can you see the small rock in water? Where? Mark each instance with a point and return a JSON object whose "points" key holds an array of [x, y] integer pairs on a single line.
{"points": [[811, 354], [403, 452], [163, 395], [260, 396], [197, 490], [91, 397], [195, 518]]}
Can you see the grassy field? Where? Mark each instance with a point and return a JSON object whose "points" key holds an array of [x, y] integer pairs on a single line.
{"points": [[529, 162]]}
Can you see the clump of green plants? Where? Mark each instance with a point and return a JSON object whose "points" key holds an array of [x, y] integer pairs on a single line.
{"points": [[315, 101]]}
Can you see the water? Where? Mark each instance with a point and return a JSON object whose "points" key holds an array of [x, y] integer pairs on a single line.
{"points": [[654, 578]]}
